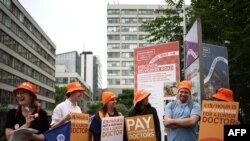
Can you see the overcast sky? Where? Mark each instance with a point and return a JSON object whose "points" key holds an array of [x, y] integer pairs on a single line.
{"points": [[77, 25]]}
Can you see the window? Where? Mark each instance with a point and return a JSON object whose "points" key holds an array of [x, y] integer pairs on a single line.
{"points": [[113, 37], [113, 11], [129, 46], [129, 12], [127, 82], [127, 72], [129, 29], [128, 37], [114, 64], [129, 20], [113, 54], [113, 20], [146, 12], [113, 81], [113, 29], [143, 20], [114, 73], [127, 63], [113, 46]]}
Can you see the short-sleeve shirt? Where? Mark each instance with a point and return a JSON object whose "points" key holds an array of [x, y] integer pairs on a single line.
{"points": [[181, 111], [15, 119], [63, 109]]}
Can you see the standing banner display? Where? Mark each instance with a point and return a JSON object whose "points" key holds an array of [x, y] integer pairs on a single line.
{"points": [[157, 70], [79, 127], [112, 128], [216, 114], [140, 128], [216, 71], [193, 60]]}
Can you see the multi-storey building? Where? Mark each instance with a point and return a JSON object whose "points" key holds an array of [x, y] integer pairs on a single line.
{"points": [[125, 32], [86, 65], [26, 54]]}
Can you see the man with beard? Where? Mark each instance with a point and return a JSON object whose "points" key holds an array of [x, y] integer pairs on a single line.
{"points": [[182, 115]]}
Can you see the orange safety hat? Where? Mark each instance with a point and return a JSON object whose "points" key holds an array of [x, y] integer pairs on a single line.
{"points": [[224, 94], [26, 86], [185, 84], [74, 86], [107, 96], [140, 95]]}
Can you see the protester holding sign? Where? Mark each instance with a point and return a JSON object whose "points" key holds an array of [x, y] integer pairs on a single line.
{"points": [[62, 112], [224, 94], [108, 110], [27, 115], [143, 107], [182, 115]]}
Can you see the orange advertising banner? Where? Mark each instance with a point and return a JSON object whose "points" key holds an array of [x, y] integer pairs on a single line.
{"points": [[79, 127], [216, 114], [140, 128]]}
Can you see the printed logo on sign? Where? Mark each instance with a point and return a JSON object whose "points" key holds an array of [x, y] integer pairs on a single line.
{"points": [[60, 137]]}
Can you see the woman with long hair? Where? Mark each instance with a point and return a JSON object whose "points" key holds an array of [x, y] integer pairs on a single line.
{"points": [[28, 114]]}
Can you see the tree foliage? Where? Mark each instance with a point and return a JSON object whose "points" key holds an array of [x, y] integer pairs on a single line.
{"points": [[224, 22], [60, 94], [94, 107], [126, 98]]}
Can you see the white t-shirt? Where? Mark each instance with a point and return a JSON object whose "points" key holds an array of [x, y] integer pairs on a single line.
{"points": [[63, 109]]}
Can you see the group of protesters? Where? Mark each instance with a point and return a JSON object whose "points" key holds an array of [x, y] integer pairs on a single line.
{"points": [[181, 116]]}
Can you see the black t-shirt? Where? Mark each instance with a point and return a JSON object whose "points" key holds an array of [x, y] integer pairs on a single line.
{"points": [[15, 119]]}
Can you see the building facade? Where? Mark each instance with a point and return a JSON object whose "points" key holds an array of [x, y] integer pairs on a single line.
{"points": [[125, 33], [26, 54]]}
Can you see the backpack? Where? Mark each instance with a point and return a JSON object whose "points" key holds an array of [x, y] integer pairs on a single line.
{"points": [[190, 105]]}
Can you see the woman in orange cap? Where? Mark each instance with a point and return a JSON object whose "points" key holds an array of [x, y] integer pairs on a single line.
{"points": [[28, 114], [143, 107], [61, 113], [108, 110]]}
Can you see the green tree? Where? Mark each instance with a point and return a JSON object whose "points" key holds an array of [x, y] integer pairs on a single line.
{"points": [[126, 98], [122, 108], [224, 22], [60, 94], [94, 107]]}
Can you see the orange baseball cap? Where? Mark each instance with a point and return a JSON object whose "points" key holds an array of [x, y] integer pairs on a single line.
{"points": [[224, 94], [74, 86], [107, 96], [140, 95], [185, 84], [26, 86]]}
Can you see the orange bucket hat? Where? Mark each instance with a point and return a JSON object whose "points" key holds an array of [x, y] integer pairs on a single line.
{"points": [[107, 96], [185, 84], [140, 95], [74, 86], [26, 86], [224, 94]]}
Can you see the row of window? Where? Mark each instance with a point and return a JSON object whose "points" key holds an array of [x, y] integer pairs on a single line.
{"points": [[120, 55], [120, 64], [118, 73], [120, 82], [21, 17], [129, 20], [16, 64], [126, 45], [13, 80], [15, 46], [126, 37], [125, 29], [4, 19], [130, 11]]}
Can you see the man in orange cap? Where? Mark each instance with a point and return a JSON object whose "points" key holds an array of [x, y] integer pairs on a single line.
{"points": [[225, 94], [108, 110], [28, 114], [61, 113], [182, 116], [143, 107]]}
